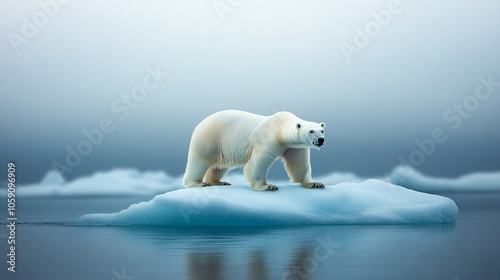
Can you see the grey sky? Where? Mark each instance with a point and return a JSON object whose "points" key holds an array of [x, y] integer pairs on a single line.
{"points": [[263, 57]]}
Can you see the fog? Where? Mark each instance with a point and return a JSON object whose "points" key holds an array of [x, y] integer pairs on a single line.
{"points": [[395, 81]]}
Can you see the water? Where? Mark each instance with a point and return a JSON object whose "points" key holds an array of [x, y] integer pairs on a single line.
{"points": [[48, 249]]}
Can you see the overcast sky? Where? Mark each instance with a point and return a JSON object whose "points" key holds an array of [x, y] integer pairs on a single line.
{"points": [[379, 86]]}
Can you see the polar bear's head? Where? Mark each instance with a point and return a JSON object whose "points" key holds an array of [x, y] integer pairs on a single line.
{"points": [[312, 135]]}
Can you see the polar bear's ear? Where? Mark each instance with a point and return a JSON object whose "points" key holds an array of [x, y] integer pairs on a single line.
{"points": [[298, 125], [322, 124]]}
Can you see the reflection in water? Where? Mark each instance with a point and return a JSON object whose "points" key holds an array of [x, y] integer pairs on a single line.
{"points": [[256, 266], [286, 253], [204, 266], [297, 268], [211, 266]]}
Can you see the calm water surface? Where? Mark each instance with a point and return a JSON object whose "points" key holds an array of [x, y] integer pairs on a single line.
{"points": [[48, 249]]}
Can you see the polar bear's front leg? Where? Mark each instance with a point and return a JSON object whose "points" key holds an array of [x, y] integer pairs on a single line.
{"points": [[298, 167], [256, 170]]}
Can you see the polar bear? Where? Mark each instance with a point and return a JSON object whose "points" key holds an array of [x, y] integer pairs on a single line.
{"points": [[231, 139]]}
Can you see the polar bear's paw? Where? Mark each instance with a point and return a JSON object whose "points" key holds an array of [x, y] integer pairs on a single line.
{"points": [[221, 184], [271, 188], [206, 184], [267, 187], [314, 185]]}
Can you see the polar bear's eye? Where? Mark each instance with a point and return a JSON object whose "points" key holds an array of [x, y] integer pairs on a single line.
{"points": [[311, 131], [322, 131]]}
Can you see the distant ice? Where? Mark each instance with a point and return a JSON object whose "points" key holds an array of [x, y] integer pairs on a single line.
{"points": [[52, 178], [341, 177], [370, 202], [119, 182], [127, 182], [411, 178]]}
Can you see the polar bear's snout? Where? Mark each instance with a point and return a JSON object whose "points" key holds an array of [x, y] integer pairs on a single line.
{"points": [[319, 141]]}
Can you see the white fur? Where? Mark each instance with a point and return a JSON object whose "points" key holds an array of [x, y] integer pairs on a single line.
{"points": [[230, 139]]}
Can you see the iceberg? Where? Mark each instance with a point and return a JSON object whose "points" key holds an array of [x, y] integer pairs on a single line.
{"points": [[410, 178], [369, 202]]}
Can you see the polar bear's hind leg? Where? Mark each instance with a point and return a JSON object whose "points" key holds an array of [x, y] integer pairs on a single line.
{"points": [[195, 171], [214, 176]]}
